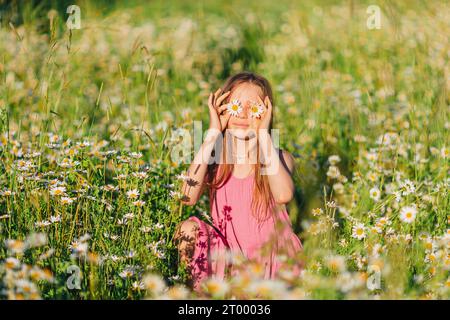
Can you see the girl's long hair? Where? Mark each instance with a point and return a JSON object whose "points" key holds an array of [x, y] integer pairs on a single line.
{"points": [[218, 173]]}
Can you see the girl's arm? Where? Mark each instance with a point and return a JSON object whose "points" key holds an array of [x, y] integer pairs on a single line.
{"points": [[194, 184], [279, 169]]}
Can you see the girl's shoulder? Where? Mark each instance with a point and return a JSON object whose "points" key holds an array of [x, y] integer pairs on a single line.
{"points": [[286, 158]]}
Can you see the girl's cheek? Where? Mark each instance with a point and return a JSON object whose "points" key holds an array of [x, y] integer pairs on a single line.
{"points": [[256, 123]]}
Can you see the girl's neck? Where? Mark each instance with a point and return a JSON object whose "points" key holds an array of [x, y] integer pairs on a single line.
{"points": [[244, 151]]}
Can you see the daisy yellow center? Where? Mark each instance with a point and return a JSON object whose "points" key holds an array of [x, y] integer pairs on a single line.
{"points": [[58, 191], [254, 109], [334, 265], [213, 287], [359, 232], [235, 107], [257, 268], [264, 291], [409, 215]]}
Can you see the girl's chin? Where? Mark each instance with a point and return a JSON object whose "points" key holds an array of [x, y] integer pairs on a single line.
{"points": [[241, 133]]}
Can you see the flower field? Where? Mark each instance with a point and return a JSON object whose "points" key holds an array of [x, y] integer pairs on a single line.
{"points": [[90, 120]]}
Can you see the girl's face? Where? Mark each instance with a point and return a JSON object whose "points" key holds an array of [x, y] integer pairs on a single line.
{"points": [[244, 124]]}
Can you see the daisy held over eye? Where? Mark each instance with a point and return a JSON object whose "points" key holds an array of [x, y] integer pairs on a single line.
{"points": [[249, 182]]}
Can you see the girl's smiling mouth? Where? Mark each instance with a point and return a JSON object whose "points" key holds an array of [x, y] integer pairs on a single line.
{"points": [[240, 124]]}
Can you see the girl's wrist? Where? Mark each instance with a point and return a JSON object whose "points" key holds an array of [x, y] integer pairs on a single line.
{"points": [[264, 136], [212, 134]]}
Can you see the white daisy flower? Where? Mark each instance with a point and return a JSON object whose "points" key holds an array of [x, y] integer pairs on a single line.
{"points": [[336, 263], [375, 193], [138, 285], [129, 216], [126, 273], [408, 214], [154, 283], [445, 152], [338, 188], [178, 292], [133, 194], [216, 287], [145, 229], [55, 219], [408, 187], [334, 159], [66, 200], [234, 107], [58, 191], [159, 226], [11, 263], [139, 203], [333, 172], [256, 109], [359, 231], [135, 155]]}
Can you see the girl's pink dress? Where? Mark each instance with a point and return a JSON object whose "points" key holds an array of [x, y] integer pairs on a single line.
{"points": [[235, 229]]}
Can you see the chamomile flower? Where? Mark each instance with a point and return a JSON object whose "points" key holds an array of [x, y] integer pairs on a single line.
{"points": [[11, 263], [359, 231], [336, 263], [256, 109], [408, 214], [375, 193], [66, 200], [139, 203], [154, 283], [58, 191], [138, 285], [333, 172], [128, 272], [334, 159], [133, 194], [234, 107], [178, 292], [216, 287], [55, 219]]}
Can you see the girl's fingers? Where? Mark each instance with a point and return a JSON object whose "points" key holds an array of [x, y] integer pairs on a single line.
{"points": [[269, 103], [262, 102], [221, 98], [224, 121], [222, 108], [212, 110], [210, 101], [216, 94], [226, 118]]}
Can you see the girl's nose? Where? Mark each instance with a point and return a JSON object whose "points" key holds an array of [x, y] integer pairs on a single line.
{"points": [[245, 110]]}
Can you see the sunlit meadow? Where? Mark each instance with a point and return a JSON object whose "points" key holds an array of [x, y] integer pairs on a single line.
{"points": [[89, 118]]}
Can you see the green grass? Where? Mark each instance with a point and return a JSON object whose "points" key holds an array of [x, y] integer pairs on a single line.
{"points": [[134, 74]]}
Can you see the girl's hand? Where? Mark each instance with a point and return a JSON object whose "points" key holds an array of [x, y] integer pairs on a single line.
{"points": [[218, 120], [264, 122]]}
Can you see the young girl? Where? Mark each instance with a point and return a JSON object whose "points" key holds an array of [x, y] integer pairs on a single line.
{"points": [[249, 186]]}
